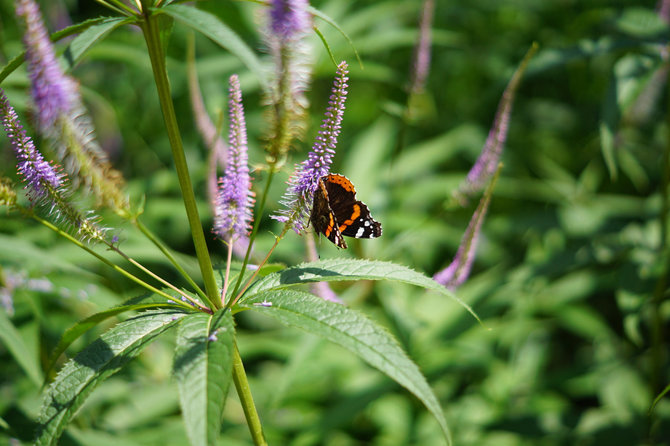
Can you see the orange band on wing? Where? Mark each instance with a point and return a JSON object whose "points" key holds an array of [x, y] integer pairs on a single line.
{"points": [[350, 221], [331, 225]]}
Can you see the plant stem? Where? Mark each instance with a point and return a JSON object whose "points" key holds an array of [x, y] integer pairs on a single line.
{"points": [[108, 262], [155, 276], [252, 237], [152, 38], [164, 249], [244, 392], [260, 265], [227, 277], [116, 6]]}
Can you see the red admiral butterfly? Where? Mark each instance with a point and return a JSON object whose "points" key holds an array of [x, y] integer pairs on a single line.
{"points": [[336, 212]]}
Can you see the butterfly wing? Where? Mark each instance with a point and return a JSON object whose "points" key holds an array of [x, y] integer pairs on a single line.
{"points": [[352, 216], [323, 218]]}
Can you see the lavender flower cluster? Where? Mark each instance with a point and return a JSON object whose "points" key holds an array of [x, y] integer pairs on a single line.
{"points": [[235, 199], [303, 183], [39, 175]]}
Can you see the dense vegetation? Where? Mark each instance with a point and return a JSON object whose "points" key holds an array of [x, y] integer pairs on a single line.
{"points": [[570, 278]]}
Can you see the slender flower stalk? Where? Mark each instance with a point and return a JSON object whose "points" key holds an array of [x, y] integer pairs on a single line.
{"points": [[38, 174], [209, 132], [645, 104], [485, 166], [305, 179], [235, 200], [663, 9], [422, 55], [458, 270], [62, 118], [289, 24], [45, 183]]}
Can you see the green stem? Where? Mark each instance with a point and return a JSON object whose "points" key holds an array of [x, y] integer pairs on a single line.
{"points": [[152, 38], [260, 265], [117, 6], [227, 277], [109, 263], [252, 237], [244, 392], [164, 249], [157, 277]]}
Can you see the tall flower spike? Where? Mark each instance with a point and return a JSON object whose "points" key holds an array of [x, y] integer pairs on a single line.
{"points": [[235, 198], [38, 174], [485, 166], [289, 24], [54, 93], [305, 179], [45, 183], [458, 270], [61, 116], [422, 56], [289, 19]]}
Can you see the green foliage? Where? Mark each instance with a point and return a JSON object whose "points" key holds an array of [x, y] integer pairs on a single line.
{"points": [[91, 36], [95, 363], [203, 370], [219, 32], [333, 270], [14, 343], [352, 331], [570, 278]]}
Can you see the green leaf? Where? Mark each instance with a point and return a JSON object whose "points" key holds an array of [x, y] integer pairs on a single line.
{"points": [[90, 37], [73, 333], [101, 359], [73, 29], [335, 25], [659, 397], [13, 342], [209, 25], [642, 22], [326, 46], [353, 331], [203, 368], [333, 270]]}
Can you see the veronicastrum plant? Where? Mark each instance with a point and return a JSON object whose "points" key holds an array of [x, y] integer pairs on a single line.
{"points": [[203, 316]]}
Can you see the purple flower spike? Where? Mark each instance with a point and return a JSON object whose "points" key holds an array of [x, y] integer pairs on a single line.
{"points": [[422, 57], [458, 270], [54, 93], [289, 23], [62, 118], [305, 179], [289, 18], [37, 173], [487, 163], [45, 183], [235, 198]]}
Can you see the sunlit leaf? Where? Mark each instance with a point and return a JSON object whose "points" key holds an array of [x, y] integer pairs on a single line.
{"points": [[353, 331], [203, 367], [101, 359]]}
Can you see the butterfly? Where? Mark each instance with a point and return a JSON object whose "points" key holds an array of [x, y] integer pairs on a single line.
{"points": [[336, 212]]}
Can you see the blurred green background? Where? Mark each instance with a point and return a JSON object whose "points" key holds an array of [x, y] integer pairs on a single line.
{"points": [[571, 273]]}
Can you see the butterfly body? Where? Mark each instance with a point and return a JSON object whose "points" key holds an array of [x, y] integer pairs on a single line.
{"points": [[336, 212]]}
